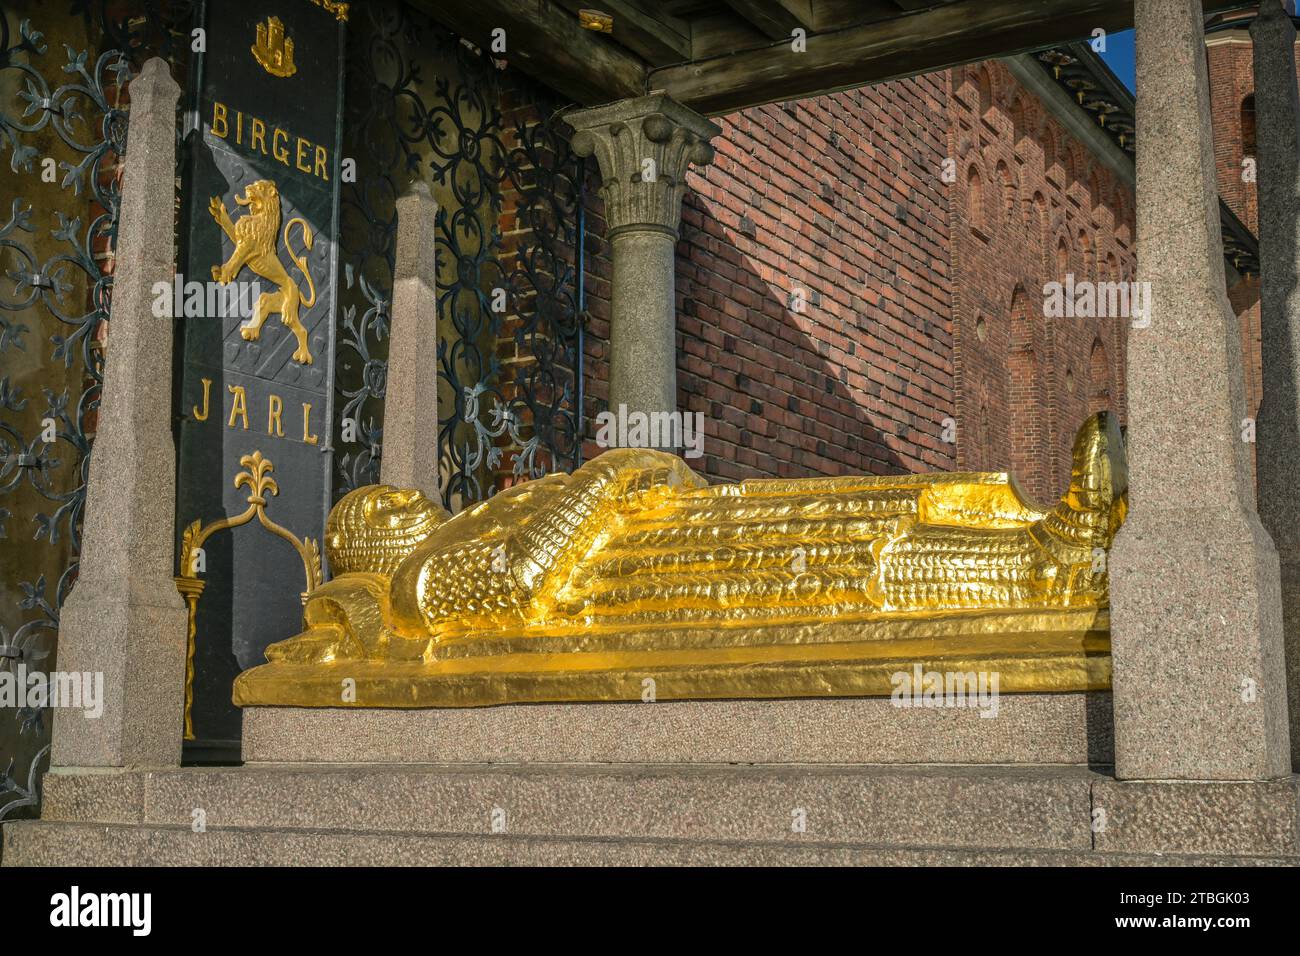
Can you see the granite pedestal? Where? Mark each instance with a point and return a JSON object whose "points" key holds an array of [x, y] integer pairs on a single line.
{"points": [[1027, 729]]}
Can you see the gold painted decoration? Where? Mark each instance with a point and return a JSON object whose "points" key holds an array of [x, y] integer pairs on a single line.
{"points": [[274, 48], [255, 236], [597, 21], [340, 10], [261, 486], [585, 587]]}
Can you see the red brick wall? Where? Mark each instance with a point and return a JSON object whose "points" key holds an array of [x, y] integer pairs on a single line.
{"points": [[1230, 59], [919, 307], [836, 196], [1029, 204]]}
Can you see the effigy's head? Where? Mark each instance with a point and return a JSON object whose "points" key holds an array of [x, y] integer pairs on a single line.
{"points": [[373, 528], [1099, 474]]}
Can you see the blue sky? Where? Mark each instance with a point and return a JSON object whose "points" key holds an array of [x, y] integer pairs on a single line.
{"points": [[1119, 56]]}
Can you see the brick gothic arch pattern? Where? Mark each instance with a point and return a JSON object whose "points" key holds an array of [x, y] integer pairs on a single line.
{"points": [[1071, 160], [1096, 193], [1040, 235], [1009, 190], [967, 90], [1122, 230], [1098, 378], [986, 432], [1049, 151], [975, 197], [1037, 376], [982, 424], [1019, 127], [1025, 402], [984, 89]]}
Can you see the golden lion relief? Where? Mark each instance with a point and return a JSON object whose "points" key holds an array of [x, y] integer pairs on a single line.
{"points": [[254, 237]]}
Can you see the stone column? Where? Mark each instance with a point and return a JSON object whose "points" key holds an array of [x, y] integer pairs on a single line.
{"points": [[124, 618], [643, 147], [1195, 595], [410, 450], [1278, 434]]}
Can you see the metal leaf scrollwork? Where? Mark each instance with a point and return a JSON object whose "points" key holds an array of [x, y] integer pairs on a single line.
{"points": [[509, 192], [509, 282], [63, 125]]}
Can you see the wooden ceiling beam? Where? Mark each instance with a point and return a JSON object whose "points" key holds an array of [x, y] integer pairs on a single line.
{"points": [[837, 14], [911, 6], [775, 19], [657, 37], [932, 39], [721, 34], [545, 41]]}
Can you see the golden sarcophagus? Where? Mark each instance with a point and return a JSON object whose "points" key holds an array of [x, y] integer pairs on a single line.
{"points": [[633, 579]]}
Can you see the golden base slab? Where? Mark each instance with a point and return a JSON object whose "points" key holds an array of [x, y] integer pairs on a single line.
{"points": [[1030, 653]]}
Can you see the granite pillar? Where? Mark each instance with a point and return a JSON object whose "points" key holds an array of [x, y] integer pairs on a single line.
{"points": [[643, 147], [1196, 608], [124, 617], [1277, 469], [410, 451]]}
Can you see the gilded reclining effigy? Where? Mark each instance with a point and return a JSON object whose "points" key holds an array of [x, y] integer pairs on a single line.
{"points": [[632, 573]]}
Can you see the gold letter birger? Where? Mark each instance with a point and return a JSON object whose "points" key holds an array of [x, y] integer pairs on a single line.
{"points": [[274, 406], [304, 149], [207, 391], [303, 155], [239, 407], [278, 151], [568, 587], [220, 124], [307, 436]]}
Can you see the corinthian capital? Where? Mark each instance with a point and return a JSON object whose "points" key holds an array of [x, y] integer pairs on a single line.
{"points": [[643, 147]]}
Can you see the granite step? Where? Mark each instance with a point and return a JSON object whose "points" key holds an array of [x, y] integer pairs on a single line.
{"points": [[880, 813], [937, 806], [50, 843]]}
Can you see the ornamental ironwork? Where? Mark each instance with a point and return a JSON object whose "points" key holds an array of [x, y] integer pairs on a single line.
{"points": [[63, 125], [424, 105]]}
